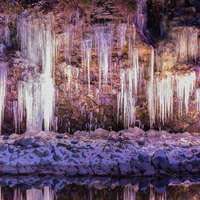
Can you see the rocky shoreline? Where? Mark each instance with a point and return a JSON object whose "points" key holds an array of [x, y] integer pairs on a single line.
{"points": [[101, 153]]}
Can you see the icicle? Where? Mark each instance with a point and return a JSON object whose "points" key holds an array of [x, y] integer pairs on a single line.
{"points": [[3, 79], [29, 105], [86, 57], [130, 192], [127, 98], [163, 96], [150, 92], [188, 44], [197, 94], [15, 114], [103, 42], [185, 84], [122, 36], [69, 42], [38, 45]]}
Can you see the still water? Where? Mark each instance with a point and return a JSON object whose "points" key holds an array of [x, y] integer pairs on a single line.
{"points": [[60, 188]]}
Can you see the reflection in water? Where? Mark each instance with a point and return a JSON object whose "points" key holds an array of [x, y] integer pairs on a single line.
{"points": [[130, 192], [156, 196], [100, 191]]}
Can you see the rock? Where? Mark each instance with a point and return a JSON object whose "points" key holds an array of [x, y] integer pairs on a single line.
{"points": [[100, 133], [59, 136], [136, 131], [160, 160], [141, 141], [5, 137]]}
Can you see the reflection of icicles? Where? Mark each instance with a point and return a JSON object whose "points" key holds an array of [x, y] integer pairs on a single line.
{"points": [[130, 192], [185, 84], [152, 193], [122, 36], [17, 194], [163, 97], [150, 92], [3, 79], [197, 94], [103, 42], [34, 194], [86, 56], [48, 194]]}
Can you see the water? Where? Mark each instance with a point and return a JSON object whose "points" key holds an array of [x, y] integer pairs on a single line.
{"points": [[97, 188]]}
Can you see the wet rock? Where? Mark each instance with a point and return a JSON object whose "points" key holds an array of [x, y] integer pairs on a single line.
{"points": [[160, 160]]}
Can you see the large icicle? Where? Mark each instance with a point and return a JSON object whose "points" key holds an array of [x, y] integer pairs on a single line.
{"points": [[103, 42], [197, 94], [150, 92], [3, 79], [127, 97], [29, 104], [185, 84], [163, 96], [38, 45]]}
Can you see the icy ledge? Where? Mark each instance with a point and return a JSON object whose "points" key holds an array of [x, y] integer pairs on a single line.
{"points": [[128, 152]]}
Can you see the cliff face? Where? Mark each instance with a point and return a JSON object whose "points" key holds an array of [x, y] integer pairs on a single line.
{"points": [[88, 64]]}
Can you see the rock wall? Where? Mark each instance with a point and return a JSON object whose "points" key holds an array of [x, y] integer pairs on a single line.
{"points": [[82, 103]]}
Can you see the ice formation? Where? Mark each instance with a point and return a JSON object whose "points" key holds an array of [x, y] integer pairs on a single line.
{"points": [[188, 47], [29, 105], [122, 36], [37, 96], [163, 96], [150, 92], [197, 95], [86, 57], [103, 44], [185, 85], [3, 79]]}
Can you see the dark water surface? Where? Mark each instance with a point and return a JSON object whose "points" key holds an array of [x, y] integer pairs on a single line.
{"points": [[99, 188]]}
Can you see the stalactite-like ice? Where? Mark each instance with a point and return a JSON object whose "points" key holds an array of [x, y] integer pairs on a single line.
{"points": [[69, 38], [37, 45], [3, 79], [127, 97], [130, 192], [197, 94], [188, 47], [163, 96], [122, 36], [185, 84], [103, 43], [5, 32], [29, 105], [150, 92], [86, 57]]}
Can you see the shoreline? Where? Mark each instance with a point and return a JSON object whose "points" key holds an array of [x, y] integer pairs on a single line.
{"points": [[131, 152]]}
